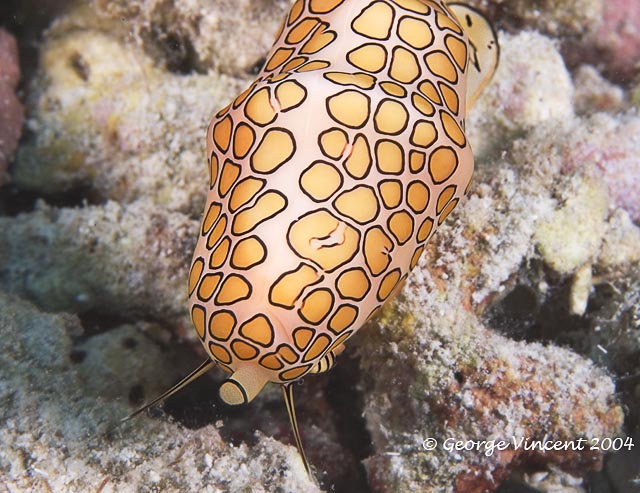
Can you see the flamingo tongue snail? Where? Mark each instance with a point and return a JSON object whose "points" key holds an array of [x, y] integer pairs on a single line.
{"points": [[328, 175]]}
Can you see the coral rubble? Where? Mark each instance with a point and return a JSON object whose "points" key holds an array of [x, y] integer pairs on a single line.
{"points": [[520, 322]]}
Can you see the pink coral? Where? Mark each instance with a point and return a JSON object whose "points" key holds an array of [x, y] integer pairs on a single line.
{"points": [[11, 110], [619, 36], [611, 146]]}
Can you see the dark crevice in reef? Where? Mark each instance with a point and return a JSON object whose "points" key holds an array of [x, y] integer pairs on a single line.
{"points": [[256, 68], [607, 333], [27, 20], [514, 486], [198, 405], [611, 316], [178, 51], [14, 200], [515, 314], [348, 402], [163, 41], [329, 410], [97, 322], [523, 314]]}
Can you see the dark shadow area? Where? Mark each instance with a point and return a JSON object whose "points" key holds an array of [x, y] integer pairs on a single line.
{"points": [[607, 333], [329, 410], [14, 200]]}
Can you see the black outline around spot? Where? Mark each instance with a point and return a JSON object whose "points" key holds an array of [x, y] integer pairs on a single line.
{"points": [[240, 341], [226, 279], [325, 132], [245, 398], [281, 48], [222, 216], [417, 64], [444, 129], [333, 331], [211, 266], [433, 38], [406, 120], [288, 19], [342, 339], [314, 262], [368, 146], [286, 68], [264, 249], [246, 115], [455, 168], [375, 197], [337, 72], [414, 11], [431, 230], [359, 47], [232, 165], [351, 297], [282, 379], [382, 300], [278, 166], [212, 180], [302, 101], [388, 173], [211, 205], [195, 286], [413, 226], [386, 91], [286, 204], [211, 344], [204, 309], [442, 218], [300, 71], [459, 31], [214, 274], [424, 94], [457, 38], [223, 111], [323, 26], [453, 63], [210, 330], [366, 259], [413, 151], [268, 355], [393, 18], [293, 28], [236, 185], [333, 302], [313, 334], [420, 146], [419, 95], [285, 274], [296, 353], [323, 11], [235, 133], [322, 353], [333, 96], [390, 180], [419, 182], [213, 133], [259, 315], [418, 248], [237, 103]]}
